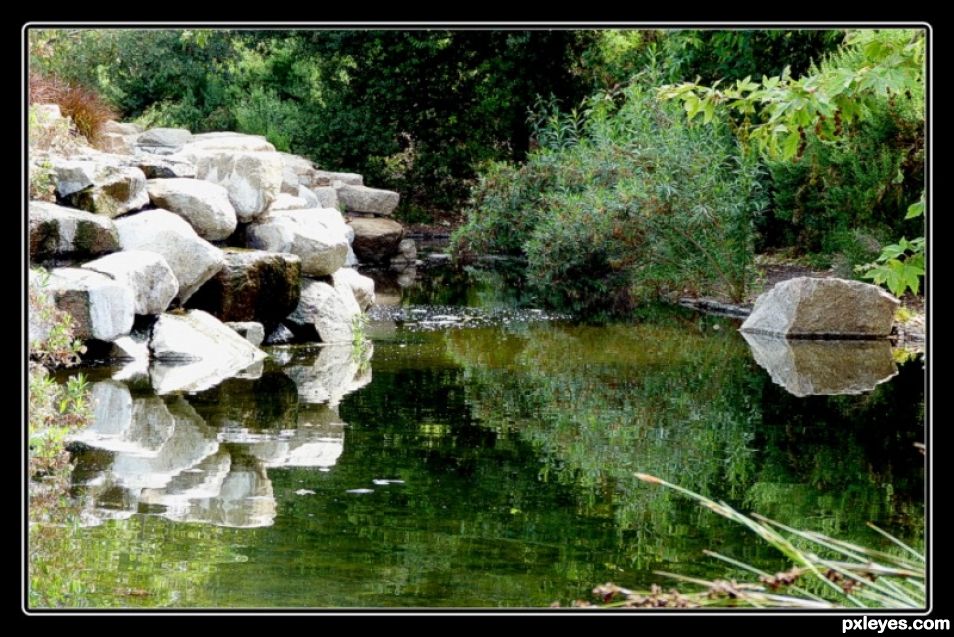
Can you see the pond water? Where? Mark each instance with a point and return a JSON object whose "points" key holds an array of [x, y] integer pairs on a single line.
{"points": [[482, 454]]}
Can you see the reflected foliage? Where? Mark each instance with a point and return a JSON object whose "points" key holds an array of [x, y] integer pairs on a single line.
{"points": [[509, 453]]}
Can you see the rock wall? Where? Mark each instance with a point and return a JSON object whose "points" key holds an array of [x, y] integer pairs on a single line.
{"points": [[207, 244]]}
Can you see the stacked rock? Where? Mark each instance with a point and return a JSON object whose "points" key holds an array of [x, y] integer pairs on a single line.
{"points": [[160, 244]]}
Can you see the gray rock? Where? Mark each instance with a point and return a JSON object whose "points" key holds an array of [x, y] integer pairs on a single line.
{"points": [[408, 249], [281, 335], [284, 201], [376, 240], [334, 374], [813, 308], [147, 274], [251, 331], [314, 235], [406, 256], [309, 197], [164, 138], [300, 171], [195, 351], [332, 310], [47, 111], [253, 179], [133, 353], [121, 128], [253, 285], [204, 205], [100, 186], [327, 197], [361, 286], [115, 143], [364, 199], [228, 141], [159, 167], [407, 276], [101, 308], [810, 367], [296, 171], [66, 233], [334, 179], [157, 150], [192, 259]]}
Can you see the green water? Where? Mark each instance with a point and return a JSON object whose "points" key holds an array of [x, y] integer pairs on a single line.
{"points": [[512, 438]]}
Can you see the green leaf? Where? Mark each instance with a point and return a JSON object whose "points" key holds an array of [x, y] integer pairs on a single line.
{"points": [[791, 144], [891, 252], [915, 209]]}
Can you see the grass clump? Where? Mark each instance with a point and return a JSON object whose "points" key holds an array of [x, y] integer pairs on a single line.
{"points": [[88, 111], [826, 573]]}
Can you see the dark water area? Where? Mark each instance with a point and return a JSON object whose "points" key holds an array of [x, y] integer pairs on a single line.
{"points": [[481, 453]]}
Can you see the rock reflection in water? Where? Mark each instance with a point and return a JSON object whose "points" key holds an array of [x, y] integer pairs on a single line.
{"points": [[206, 459], [823, 367], [337, 371]]}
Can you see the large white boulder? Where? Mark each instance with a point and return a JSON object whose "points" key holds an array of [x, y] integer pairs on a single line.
{"points": [[331, 309], [101, 307], [316, 235], [193, 260], [361, 286], [204, 205], [194, 351], [252, 179], [226, 140], [147, 274]]}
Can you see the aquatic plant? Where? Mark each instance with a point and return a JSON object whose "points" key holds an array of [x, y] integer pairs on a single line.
{"points": [[826, 572]]}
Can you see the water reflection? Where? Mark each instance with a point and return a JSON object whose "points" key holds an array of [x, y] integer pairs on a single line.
{"points": [[487, 465], [206, 458], [823, 367]]}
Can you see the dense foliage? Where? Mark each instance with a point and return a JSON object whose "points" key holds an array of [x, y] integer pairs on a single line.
{"points": [[840, 151], [837, 117], [845, 142], [630, 202], [415, 111]]}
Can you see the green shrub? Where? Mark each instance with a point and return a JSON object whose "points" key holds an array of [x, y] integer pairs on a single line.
{"points": [[415, 111], [850, 136], [863, 181], [734, 54], [53, 408], [642, 205]]}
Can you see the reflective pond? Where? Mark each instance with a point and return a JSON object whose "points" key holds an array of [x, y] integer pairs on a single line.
{"points": [[481, 453]]}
